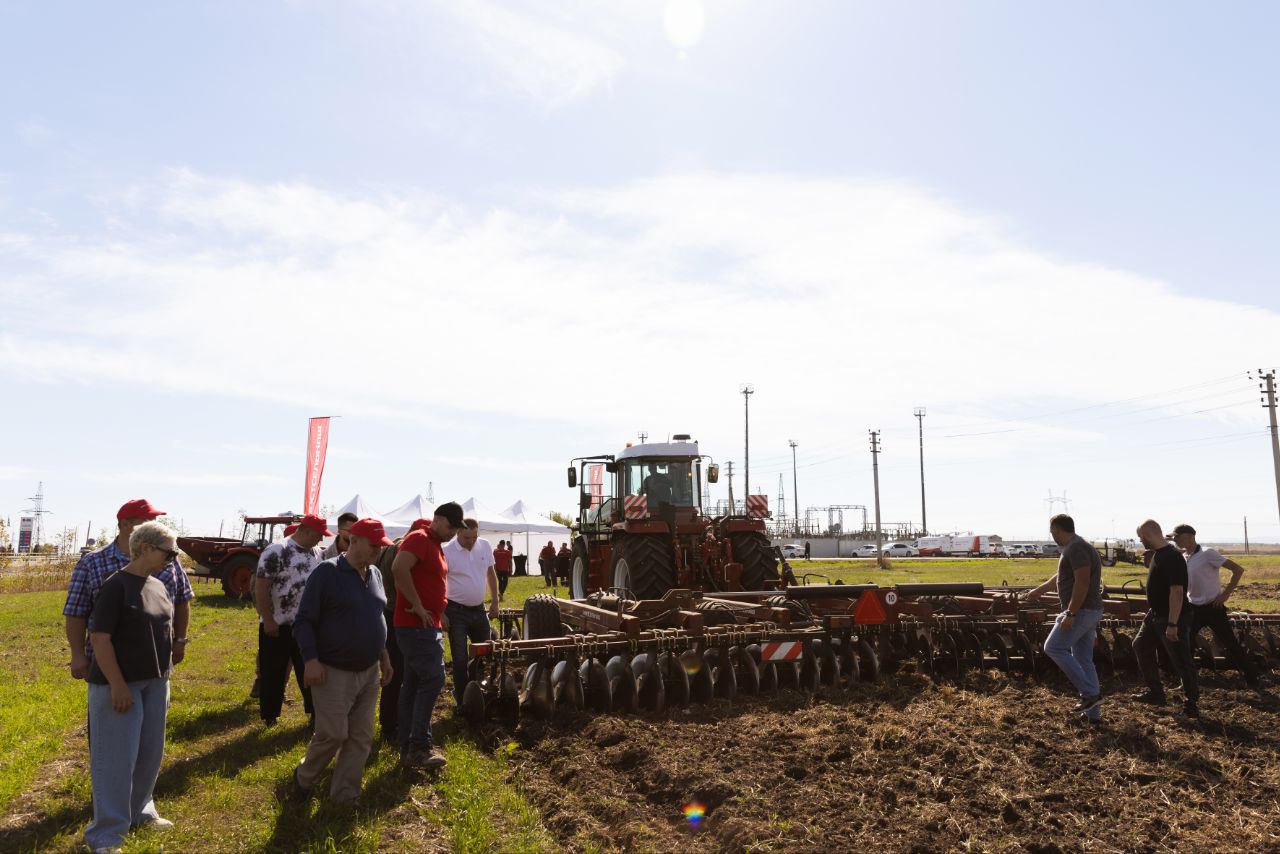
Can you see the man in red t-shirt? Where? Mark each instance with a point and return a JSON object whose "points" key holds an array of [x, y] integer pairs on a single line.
{"points": [[502, 566], [547, 563], [420, 569]]}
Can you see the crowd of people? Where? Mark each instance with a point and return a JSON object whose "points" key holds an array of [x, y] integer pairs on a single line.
{"points": [[361, 626]]}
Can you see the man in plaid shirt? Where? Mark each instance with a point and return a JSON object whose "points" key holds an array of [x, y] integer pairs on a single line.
{"points": [[95, 567]]}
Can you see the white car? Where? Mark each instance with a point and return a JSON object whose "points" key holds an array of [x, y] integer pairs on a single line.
{"points": [[793, 550], [900, 550], [865, 550]]}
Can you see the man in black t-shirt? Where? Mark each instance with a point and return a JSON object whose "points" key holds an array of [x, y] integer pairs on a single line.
{"points": [[1168, 621]]}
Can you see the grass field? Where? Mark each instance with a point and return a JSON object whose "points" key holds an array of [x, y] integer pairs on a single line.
{"points": [[224, 772]]}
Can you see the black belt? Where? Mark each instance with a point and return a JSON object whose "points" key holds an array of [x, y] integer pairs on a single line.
{"points": [[454, 604]]}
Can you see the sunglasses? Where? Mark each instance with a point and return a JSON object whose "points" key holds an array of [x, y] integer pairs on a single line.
{"points": [[169, 554]]}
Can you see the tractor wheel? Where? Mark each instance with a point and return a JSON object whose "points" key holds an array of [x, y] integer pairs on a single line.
{"points": [[541, 617], [579, 576], [753, 550], [237, 577], [643, 565]]}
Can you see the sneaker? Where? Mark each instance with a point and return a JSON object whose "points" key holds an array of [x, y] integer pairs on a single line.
{"points": [[1087, 704], [424, 759], [1155, 698], [1190, 709], [1091, 722], [297, 794], [154, 822]]}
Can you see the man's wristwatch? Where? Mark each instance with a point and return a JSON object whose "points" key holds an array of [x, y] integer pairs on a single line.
{"points": [[183, 641], [1069, 613], [1171, 625]]}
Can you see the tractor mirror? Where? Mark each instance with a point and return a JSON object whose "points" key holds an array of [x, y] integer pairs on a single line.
{"points": [[584, 501], [713, 473], [573, 477]]}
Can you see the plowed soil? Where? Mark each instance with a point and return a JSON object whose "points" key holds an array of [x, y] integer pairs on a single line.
{"points": [[911, 765]]}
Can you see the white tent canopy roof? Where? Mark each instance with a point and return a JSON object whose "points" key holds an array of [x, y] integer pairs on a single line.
{"points": [[534, 523], [494, 524], [411, 511]]}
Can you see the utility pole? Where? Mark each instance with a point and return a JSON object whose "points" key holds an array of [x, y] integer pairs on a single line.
{"points": [[782, 499], [795, 492], [730, 464], [924, 519], [747, 391], [1269, 386], [875, 472], [1246, 534]]}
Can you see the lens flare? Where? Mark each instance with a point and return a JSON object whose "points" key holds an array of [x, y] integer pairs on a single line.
{"points": [[694, 812]]}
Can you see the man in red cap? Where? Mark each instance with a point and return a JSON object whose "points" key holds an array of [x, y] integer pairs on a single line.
{"points": [[340, 630], [420, 570], [283, 569], [95, 567]]}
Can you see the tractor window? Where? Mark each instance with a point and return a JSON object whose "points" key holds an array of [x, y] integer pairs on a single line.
{"points": [[255, 534], [669, 481]]}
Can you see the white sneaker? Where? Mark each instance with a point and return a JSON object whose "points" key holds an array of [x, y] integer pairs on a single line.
{"points": [[155, 823]]}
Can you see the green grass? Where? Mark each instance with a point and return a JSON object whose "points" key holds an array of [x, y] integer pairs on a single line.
{"points": [[224, 772]]}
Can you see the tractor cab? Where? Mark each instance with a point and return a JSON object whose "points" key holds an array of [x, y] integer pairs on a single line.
{"points": [[655, 480]]}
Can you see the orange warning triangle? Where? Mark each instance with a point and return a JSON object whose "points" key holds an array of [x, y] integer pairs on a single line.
{"points": [[869, 611]]}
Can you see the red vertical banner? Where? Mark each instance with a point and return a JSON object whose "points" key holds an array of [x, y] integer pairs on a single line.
{"points": [[317, 447], [595, 484]]}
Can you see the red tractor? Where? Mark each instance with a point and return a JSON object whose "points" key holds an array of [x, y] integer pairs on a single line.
{"points": [[232, 560], [642, 530]]}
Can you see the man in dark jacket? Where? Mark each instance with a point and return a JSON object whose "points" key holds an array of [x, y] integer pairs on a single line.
{"points": [[1168, 621], [564, 563], [547, 563]]}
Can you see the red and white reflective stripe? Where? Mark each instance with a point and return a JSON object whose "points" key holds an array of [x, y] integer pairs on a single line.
{"points": [[635, 506], [758, 506], [781, 651]]}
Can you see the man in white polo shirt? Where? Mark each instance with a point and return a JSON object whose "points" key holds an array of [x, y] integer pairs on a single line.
{"points": [[1208, 598], [471, 570]]}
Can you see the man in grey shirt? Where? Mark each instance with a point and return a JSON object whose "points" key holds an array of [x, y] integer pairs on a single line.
{"points": [[1079, 585]]}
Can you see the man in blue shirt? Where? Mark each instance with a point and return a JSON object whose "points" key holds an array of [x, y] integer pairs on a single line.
{"points": [[97, 566], [341, 632]]}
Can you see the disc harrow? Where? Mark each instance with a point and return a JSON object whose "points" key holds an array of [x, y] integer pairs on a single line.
{"points": [[609, 654]]}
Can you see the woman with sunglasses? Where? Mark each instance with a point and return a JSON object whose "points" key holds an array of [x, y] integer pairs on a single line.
{"points": [[131, 630]]}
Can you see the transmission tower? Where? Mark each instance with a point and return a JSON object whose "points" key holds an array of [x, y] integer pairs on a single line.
{"points": [[782, 501], [37, 511], [1054, 500]]}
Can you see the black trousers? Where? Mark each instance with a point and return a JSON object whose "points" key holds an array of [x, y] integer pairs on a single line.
{"points": [[503, 578], [548, 568], [277, 656], [1144, 648], [389, 703], [1214, 617]]}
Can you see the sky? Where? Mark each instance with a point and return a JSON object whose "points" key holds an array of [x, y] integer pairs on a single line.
{"points": [[492, 237]]}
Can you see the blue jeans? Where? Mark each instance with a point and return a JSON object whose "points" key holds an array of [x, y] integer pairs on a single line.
{"points": [[423, 651], [466, 623], [124, 759], [1072, 650]]}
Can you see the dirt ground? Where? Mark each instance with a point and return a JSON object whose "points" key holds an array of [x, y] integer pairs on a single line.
{"points": [[911, 765]]}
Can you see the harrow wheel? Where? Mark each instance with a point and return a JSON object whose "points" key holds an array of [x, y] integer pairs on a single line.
{"points": [[580, 575], [596, 694], [541, 617], [674, 680]]}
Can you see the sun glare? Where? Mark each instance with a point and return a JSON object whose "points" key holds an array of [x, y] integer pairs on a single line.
{"points": [[684, 22]]}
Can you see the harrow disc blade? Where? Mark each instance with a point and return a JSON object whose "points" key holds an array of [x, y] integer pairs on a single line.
{"points": [[748, 670], [868, 661], [566, 690], [788, 674], [829, 670], [701, 687], [674, 680], [651, 694], [1001, 649], [535, 696], [1027, 654], [507, 704], [723, 680], [596, 695], [954, 655], [842, 648], [972, 650], [473, 705], [622, 685], [1103, 658], [810, 670]]}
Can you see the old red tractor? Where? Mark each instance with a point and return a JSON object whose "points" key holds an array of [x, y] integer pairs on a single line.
{"points": [[232, 560], [642, 530]]}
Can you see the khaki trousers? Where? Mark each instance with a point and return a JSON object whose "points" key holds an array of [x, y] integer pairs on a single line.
{"points": [[344, 706]]}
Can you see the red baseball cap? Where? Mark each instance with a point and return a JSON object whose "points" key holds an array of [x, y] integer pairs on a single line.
{"points": [[371, 530], [420, 525], [315, 523], [138, 508], [289, 529]]}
